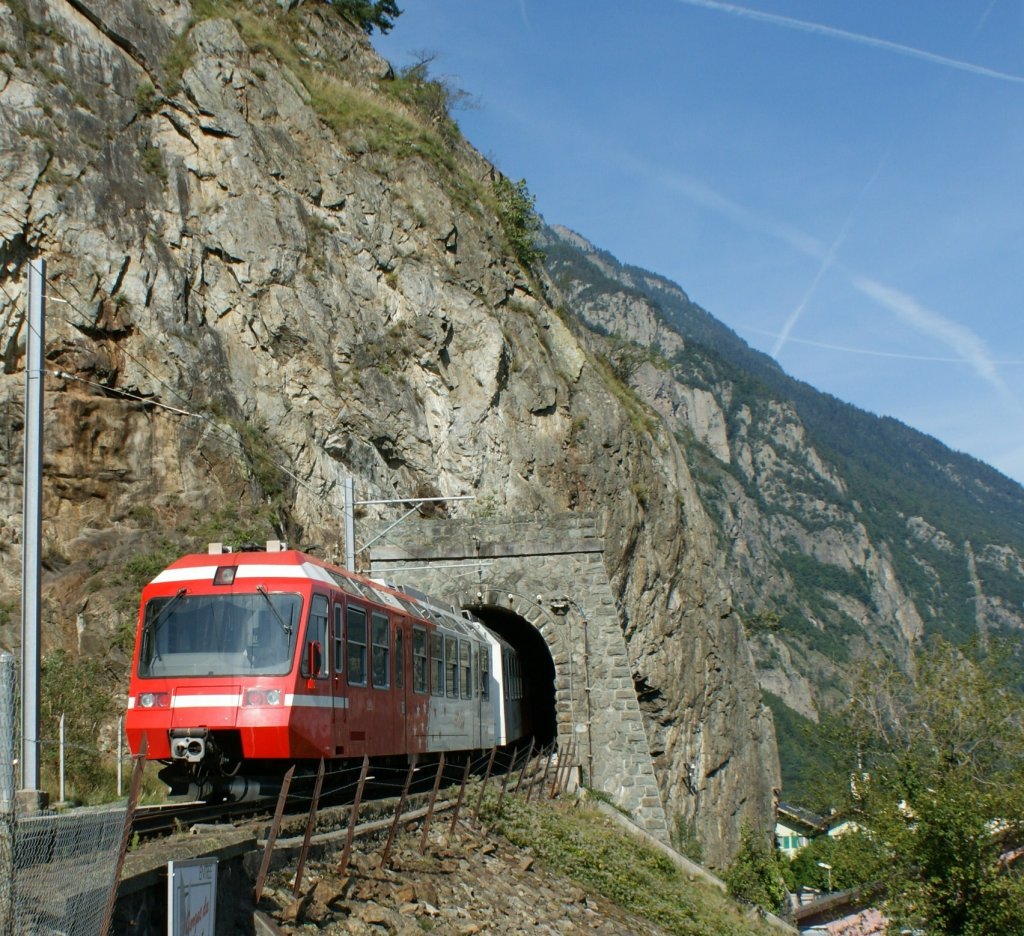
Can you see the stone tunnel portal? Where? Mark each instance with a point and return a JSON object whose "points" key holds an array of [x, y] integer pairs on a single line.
{"points": [[543, 586], [538, 668]]}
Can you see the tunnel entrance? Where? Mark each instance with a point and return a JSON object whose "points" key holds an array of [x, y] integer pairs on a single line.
{"points": [[538, 668], [543, 586]]}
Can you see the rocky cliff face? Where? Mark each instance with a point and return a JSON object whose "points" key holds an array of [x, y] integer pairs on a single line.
{"points": [[269, 271]]}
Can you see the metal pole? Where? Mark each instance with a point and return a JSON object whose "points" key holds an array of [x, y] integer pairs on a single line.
{"points": [[120, 752], [526, 763], [349, 513], [7, 824], [353, 817], [31, 530], [275, 827], [61, 757], [487, 776], [462, 793], [430, 807], [398, 812], [310, 822], [134, 790]]}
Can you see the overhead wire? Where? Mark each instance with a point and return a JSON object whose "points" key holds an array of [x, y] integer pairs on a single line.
{"points": [[225, 435], [222, 433]]}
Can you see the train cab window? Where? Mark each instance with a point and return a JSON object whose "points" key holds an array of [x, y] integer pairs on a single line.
{"points": [[485, 673], [419, 659], [339, 642], [436, 664], [399, 657], [314, 663], [356, 646], [466, 677], [451, 669], [380, 655]]}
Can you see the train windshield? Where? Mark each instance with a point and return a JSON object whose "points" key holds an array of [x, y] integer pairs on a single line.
{"points": [[219, 635]]}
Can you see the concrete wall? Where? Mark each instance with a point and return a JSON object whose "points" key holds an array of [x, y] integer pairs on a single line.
{"points": [[551, 574]]}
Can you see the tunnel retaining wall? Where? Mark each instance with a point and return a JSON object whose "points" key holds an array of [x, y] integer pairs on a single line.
{"points": [[551, 574]]}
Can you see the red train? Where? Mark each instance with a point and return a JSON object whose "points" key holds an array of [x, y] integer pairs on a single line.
{"points": [[246, 662]]}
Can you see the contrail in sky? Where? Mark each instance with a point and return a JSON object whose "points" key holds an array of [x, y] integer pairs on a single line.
{"points": [[833, 32], [526, 19], [971, 349], [869, 352], [827, 261]]}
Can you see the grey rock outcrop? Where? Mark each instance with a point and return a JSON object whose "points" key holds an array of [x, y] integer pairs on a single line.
{"points": [[269, 275]]}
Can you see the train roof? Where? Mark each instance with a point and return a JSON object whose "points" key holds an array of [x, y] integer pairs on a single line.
{"points": [[277, 561]]}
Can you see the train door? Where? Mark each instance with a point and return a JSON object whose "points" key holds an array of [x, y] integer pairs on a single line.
{"points": [[340, 696], [418, 708], [483, 675], [387, 725], [314, 696], [359, 727], [401, 681]]}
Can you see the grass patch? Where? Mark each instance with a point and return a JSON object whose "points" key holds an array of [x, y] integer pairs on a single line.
{"points": [[640, 417], [579, 842]]}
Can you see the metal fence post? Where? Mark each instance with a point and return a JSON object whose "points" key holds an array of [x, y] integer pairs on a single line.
{"points": [[8, 737], [61, 756]]}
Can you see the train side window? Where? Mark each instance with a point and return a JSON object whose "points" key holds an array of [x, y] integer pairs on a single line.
{"points": [[451, 668], [419, 659], [507, 674], [339, 641], [380, 656], [399, 657], [356, 646], [316, 634], [485, 672], [466, 676], [436, 664]]}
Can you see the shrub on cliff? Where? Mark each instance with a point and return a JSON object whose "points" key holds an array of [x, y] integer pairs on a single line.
{"points": [[369, 15]]}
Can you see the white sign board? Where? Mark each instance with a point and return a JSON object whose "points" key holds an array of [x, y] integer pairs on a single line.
{"points": [[192, 897]]}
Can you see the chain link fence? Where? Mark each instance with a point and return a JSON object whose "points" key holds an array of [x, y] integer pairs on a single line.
{"points": [[57, 870]]}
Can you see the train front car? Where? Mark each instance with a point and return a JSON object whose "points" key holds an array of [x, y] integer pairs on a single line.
{"points": [[217, 673]]}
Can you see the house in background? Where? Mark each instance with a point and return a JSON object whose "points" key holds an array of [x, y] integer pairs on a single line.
{"points": [[795, 827]]}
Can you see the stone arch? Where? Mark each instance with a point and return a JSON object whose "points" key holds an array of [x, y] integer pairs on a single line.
{"points": [[555, 718], [551, 576]]}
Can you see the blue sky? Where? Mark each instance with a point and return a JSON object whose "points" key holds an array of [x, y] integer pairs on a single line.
{"points": [[840, 183]]}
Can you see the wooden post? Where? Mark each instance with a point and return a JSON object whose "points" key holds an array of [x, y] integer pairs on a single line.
{"points": [[310, 822], [487, 776], [354, 816], [430, 806], [275, 827], [398, 812]]}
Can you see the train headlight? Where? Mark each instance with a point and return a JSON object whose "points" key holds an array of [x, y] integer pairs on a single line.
{"points": [[153, 700], [262, 696]]}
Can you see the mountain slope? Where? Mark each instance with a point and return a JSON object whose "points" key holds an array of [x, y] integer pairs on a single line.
{"points": [[841, 533]]}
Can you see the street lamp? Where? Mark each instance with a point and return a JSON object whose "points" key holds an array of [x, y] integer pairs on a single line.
{"points": [[827, 867]]}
